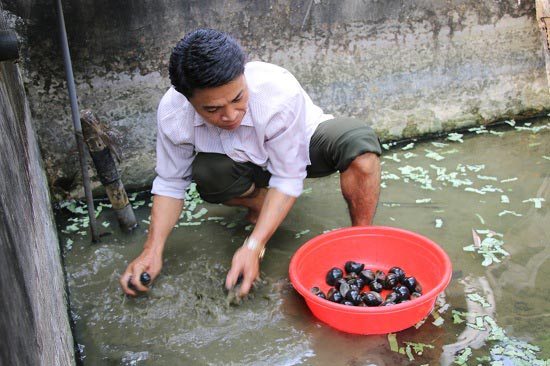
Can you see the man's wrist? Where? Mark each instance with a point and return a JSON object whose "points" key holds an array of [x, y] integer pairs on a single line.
{"points": [[254, 245], [154, 247]]}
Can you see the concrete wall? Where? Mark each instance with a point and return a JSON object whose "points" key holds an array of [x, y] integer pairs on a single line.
{"points": [[34, 323], [410, 67]]}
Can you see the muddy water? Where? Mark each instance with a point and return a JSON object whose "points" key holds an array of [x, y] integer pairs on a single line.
{"points": [[496, 183]]}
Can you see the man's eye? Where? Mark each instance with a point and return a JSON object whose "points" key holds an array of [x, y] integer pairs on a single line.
{"points": [[211, 110]]}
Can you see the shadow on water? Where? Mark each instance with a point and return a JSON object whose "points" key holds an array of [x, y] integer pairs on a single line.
{"points": [[495, 311]]}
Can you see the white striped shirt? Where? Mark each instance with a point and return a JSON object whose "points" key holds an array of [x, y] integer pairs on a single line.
{"points": [[274, 133]]}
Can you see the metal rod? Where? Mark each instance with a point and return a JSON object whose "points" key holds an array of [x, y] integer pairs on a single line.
{"points": [[76, 122]]}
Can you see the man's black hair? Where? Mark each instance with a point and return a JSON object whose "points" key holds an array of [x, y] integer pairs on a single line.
{"points": [[205, 58]]}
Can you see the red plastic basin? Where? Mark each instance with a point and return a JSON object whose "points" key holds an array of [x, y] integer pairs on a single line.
{"points": [[379, 248]]}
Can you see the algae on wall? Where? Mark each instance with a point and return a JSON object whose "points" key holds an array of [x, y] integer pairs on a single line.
{"points": [[408, 67]]}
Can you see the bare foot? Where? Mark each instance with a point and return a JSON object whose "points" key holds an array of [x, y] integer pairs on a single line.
{"points": [[252, 216], [254, 202], [258, 201]]}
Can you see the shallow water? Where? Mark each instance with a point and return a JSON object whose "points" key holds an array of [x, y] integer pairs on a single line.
{"points": [[497, 183]]}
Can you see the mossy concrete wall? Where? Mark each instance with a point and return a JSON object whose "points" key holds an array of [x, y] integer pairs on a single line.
{"points": [[409, 67], [34, 320]]}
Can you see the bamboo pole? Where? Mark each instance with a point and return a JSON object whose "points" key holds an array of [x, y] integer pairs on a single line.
{"points": [[102, 145]]}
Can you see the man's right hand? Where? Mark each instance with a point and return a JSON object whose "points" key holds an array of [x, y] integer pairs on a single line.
{"points": [[148, 261], [164, 215]]}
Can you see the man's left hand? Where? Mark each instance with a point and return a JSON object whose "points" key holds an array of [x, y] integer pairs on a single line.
{"points": [[246, 262]]}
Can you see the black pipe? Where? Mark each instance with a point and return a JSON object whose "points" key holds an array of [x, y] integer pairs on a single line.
{"points": [[8, 46], [76, 122]]}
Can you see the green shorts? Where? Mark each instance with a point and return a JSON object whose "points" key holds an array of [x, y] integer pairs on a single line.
{"points": [[333, 146]]}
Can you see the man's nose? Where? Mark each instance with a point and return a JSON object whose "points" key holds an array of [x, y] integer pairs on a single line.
{"points": [[230, 114]]}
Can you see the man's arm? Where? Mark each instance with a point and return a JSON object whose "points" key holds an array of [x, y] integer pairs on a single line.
{"points": [[246, 261], [164, 215]]}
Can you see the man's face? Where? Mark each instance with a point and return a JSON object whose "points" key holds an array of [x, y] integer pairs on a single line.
{"points": [[223, 106]]}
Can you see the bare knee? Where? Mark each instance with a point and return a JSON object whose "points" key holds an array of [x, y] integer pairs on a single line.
{"points": [[363, 171], [360, 184], [365, 165]]}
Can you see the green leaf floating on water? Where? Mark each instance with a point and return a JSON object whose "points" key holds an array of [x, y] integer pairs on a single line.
{"points": [[464, 356], [534, 129], [216, 218], [423, 200], [508, 212], [393, 157], [509, 180], [479, 299], [478, 325], [456, 137], [190, 223], [201, 213], [504, 350], [75, 207], [138, 204], [537, 201], [484, 189], [418, 348], [480, 219], [433, 155], [490, 247], [98, 210], [486, 177], [386, 175], [72, 227], [410, 349], [458, 316], [438, 320], [475, 168], [392, 339], [417, 174], [303, 232], [451, 177]]}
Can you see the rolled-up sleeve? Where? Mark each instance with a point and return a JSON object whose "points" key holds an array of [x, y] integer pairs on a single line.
{"points": [[174, 159], [287, 145]]}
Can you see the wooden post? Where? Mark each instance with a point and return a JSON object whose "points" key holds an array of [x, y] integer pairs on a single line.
{"points": [[102, 146], [543, 20]]}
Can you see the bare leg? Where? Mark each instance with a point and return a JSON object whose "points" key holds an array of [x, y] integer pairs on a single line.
{"points": [[360, 184], [253, 199]]}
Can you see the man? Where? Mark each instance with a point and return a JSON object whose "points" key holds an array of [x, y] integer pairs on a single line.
{"points": [[248, 135]]}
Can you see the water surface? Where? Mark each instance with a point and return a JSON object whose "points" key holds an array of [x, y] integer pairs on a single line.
{"points": [[496, 183]]}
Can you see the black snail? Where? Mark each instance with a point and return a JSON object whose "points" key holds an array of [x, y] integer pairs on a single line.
{"points": [[360, 286], [145, 280]]}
